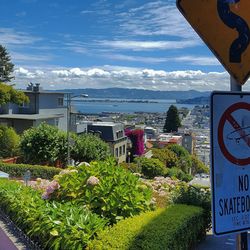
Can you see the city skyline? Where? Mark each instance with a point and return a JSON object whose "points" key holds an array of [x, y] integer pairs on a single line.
{"points": [[106, 43]]}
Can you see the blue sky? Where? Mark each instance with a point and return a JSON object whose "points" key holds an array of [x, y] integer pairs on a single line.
{"points": [[106, 43]]}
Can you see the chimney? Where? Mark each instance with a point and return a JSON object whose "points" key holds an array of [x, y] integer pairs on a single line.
{"points": [[37, 87], [30, 86]]}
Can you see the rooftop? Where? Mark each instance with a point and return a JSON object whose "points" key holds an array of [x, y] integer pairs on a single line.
{"points": [[30, 117]]}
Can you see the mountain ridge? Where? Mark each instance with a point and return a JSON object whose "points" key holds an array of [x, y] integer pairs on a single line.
{"points": [[125, 93]]}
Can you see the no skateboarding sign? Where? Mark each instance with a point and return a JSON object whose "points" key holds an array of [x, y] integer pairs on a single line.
{"points": [[230, 155]]}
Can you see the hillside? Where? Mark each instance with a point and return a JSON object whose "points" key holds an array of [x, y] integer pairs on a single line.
{"points": [[123, 93]]}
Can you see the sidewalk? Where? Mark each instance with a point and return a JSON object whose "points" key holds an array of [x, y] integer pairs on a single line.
{"points": [[227, 242], [5, 242]]}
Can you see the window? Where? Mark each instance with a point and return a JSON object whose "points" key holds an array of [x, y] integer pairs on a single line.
{"points": [[120, 150], [116, 152], [123, 149], [56, 122], [119, 134], [60, 102]]}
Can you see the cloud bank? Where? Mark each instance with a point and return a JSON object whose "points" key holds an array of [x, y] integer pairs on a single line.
{"points": [[123, 77]]}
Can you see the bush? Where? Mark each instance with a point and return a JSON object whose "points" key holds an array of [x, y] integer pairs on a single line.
{"points": [[179, 174], [106, 189], [18, 170], [44, 145], [193, 195], [9, 142], [150, 167], [133, 167], [184, 158], [176, 227], [166, 156], [53, 225], [89, 148], [198, 166], [136, 137]]}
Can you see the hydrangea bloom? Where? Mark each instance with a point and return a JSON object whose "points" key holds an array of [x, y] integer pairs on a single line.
{"points": [[53, 185], [93, 181]]}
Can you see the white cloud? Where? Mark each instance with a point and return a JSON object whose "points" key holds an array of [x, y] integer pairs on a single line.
{"points": [[83, 12], [24, 57], [124, 77], [129, 58], [156, 18], [149, 45], [198, 60], [188, 60], [11, 37]]}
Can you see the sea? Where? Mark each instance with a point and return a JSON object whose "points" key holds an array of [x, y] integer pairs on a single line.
{"points": [[112, 105]]}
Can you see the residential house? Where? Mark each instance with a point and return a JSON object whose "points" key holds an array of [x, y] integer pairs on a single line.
{"points": [[44, 106], [113, 134], [188, 142]]}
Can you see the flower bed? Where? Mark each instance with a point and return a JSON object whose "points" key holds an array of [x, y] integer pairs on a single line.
{"points": [[53, 225], [105, 188]]}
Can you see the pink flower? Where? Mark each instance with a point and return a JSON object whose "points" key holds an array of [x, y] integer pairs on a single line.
{"points": [[54, 185], [45, 196], [93, 181]]}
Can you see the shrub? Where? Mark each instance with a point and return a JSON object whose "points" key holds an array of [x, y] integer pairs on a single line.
{"points": [[179, 174], [9, 142], [90, 147], [18, 170], [53, 225], [136, 137], [133, 167], [198, 166], [193, 195], [44, 145], [184, 158], [176, 227], [151, 167], [166, 156], [106, 189]]}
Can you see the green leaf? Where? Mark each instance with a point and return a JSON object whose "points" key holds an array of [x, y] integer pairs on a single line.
{"points": [[54, 232]]}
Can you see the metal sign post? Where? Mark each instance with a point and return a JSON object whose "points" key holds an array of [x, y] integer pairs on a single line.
{"points": [[241, 240]]}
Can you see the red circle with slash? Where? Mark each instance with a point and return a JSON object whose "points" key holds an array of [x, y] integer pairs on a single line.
{"points": [[227, 116]]}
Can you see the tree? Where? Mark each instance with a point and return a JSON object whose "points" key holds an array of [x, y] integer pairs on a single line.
{"points": [[172, 122], [44, 144], [9, 142], [150, 167], [166, 156], [184, 158], [9, 94], [89, 147], [136, 137], [6, 67], [198, 166]]}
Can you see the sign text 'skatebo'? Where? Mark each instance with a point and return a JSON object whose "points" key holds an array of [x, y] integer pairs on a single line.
{"points": [[230, 148]]}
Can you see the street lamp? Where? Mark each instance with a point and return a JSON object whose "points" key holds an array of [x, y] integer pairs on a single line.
{"points": [[69, 98]]}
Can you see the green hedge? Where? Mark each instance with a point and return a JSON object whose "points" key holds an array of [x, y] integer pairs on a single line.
{"points": [[53, 225], [18, 170], [176, 227]]}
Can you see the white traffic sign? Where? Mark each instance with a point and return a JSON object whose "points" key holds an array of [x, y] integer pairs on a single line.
{"points": [[230, 161]]}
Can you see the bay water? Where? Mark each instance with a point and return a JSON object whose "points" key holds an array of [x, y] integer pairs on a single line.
{"points": [[111, 105]]}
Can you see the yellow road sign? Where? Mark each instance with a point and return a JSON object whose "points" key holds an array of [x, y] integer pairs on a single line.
{"points": [[224, 26]]}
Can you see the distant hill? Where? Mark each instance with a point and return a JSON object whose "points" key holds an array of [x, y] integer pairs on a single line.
{"points": [[203, 100], [123, 93]]}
